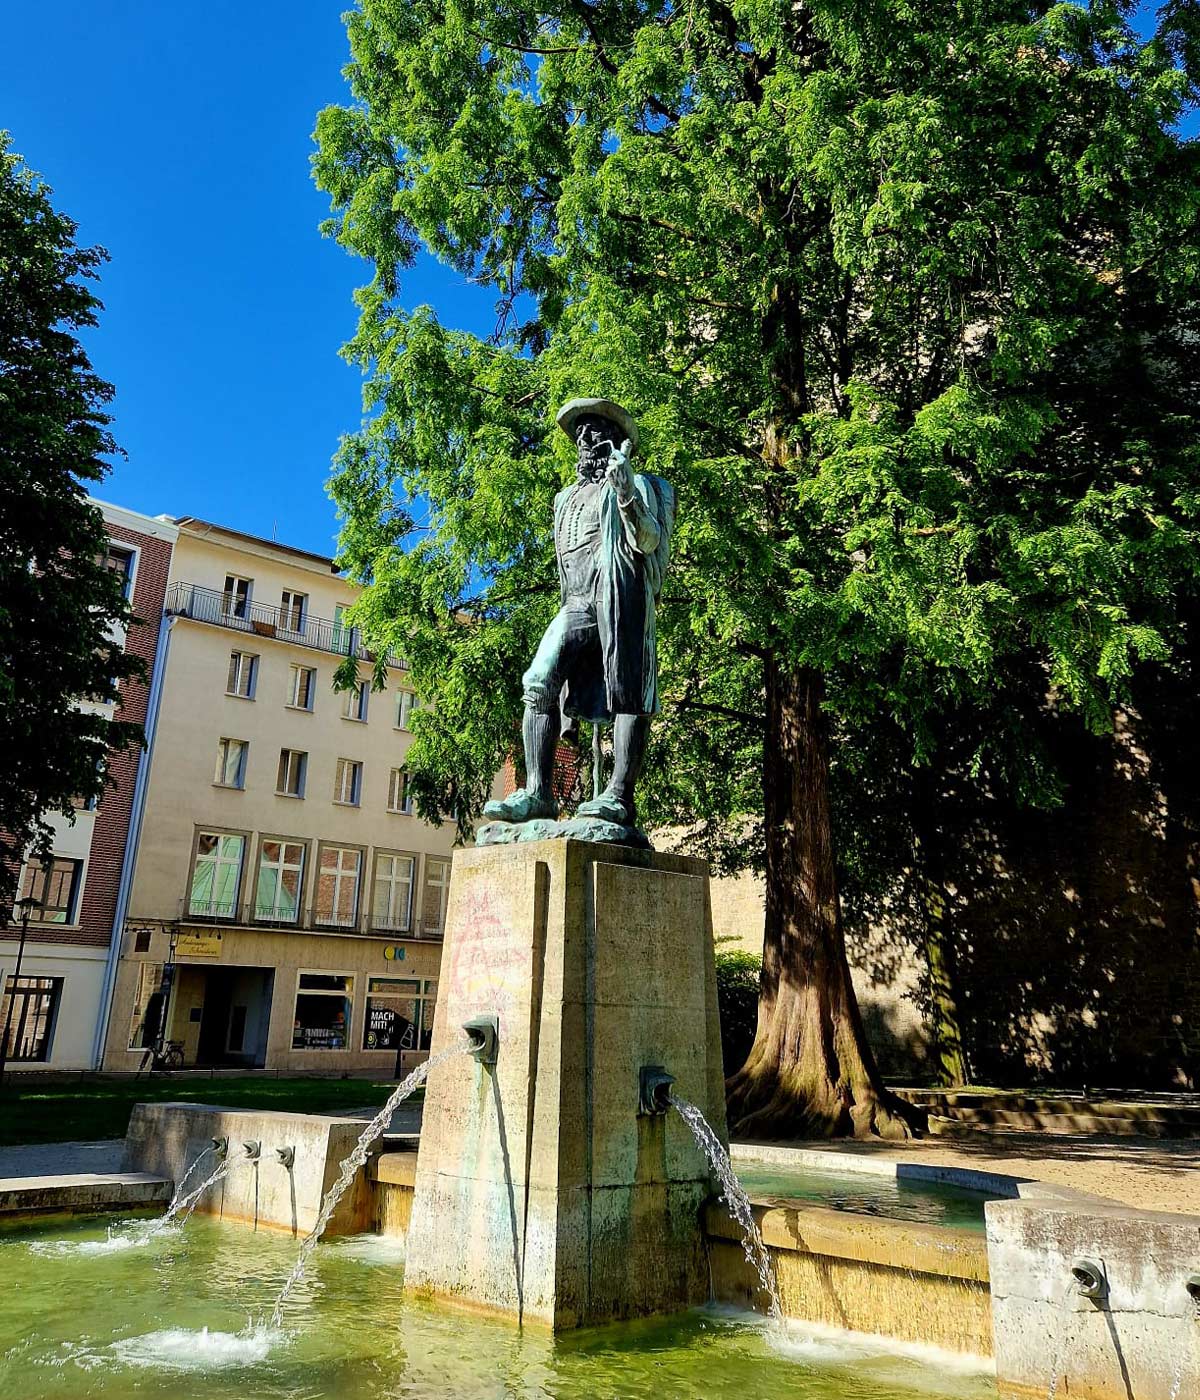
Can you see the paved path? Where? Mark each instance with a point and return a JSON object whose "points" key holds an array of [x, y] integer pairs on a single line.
{"points": [[1150, 1173], [62, 1158]]}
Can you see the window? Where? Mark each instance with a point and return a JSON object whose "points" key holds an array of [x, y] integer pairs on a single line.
{"points": [[406, 703], [280, 880], [243, 672], [235, 601], [216, 875], [302, 686], [231, 763], [293, 610], [148, 1003], [293, 769], [29, 1008], [119, 561], [354, 702], [337, 886], [55, 887], [391, 898], [324, 1003], [399, 1013], [399, 797], [437, 890], [347, 783]]}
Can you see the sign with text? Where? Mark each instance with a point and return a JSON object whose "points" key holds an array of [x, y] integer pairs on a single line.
{"points": [[199, 943]]}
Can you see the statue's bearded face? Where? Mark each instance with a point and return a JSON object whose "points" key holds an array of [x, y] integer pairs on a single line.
{"points": [[595, 437]]}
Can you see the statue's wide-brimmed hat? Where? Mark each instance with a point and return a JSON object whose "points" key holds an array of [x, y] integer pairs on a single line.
{"points": [[574, 409]]}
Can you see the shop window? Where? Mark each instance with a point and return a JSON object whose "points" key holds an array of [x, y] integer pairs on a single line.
{"points": [[280, 880], [54, 888], [145, 1020], [399, 1013], [216, 875], [324, 1004], [29, 1008]]}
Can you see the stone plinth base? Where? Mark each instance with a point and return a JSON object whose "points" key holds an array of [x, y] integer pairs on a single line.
{"points": [[540, 1190], [573, 829]]}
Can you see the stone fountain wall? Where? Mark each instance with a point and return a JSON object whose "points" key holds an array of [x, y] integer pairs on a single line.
{"points": [[541, 1192], [165, 1138]]}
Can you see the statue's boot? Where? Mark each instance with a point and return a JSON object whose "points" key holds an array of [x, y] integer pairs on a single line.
{"points": [[520, 806], [608, 807], [540, 732], [615, 803]]}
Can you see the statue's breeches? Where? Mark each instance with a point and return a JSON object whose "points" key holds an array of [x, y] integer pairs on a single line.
{"points": [[569, 654]]}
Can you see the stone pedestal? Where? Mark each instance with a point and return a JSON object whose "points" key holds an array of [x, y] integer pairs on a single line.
{"points": [[541, 1192]]}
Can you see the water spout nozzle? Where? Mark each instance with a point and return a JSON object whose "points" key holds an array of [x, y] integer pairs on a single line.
{"points": [[1090, 1280], [654, 1090], [287, 1157], [253, 1151], [220, 1147], [483, 1033]]}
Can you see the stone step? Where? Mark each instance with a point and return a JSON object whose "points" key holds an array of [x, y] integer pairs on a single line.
{"points": [[1027, 1113], [1059, 1124], [83, 1193]]}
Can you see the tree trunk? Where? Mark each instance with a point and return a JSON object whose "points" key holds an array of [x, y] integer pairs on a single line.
{"points": [[810, 1072]]}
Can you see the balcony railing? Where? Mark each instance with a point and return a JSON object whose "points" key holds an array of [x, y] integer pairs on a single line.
{"points": [[301, 920], [261, 620]]}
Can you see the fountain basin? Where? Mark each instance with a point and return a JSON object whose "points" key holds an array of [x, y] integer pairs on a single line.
{"points": [[170, 1322]]}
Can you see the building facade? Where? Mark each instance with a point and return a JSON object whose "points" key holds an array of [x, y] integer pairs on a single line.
{"points": [[53, 1007], [286, 906]]}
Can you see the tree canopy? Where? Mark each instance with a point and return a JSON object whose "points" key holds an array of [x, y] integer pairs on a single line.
{"points": [[59, 604], [903, 297]]}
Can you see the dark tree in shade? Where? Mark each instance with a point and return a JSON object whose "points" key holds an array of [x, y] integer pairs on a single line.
{"points": [[61, 611], [903, 298]]}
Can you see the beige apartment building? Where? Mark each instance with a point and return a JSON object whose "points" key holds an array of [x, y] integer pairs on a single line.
{"points": [[286, 905]]}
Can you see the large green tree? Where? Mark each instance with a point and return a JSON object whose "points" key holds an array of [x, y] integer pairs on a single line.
{"points": [[902, 294], [59, 605]]}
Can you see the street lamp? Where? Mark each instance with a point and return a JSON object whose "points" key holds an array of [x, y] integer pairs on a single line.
{"points": [[26, 906]]}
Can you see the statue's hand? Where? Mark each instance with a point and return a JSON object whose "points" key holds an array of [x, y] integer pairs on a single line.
{"points": [[618, 472]]}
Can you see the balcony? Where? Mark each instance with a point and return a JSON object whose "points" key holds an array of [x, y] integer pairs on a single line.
{"points": [[252, 619], [246, 916]]}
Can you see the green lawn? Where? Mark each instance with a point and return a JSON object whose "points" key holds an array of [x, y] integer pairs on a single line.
{"points": [[100, 1108]]}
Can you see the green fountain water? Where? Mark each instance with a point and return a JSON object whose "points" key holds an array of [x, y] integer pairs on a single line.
{"points": [[82, 1314]]}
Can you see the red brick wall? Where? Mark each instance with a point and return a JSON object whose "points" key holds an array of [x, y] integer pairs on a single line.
{"points": [[568, 764], [103, 874]]}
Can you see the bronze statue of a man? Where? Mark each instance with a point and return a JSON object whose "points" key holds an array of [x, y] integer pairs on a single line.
{"points": [[598, 660]]}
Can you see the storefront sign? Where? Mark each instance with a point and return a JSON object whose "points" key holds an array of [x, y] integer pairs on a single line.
{"points": [[199, 944], [394, 953]]}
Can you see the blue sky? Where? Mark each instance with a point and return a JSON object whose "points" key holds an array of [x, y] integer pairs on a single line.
{"points": [[177, 135]]}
